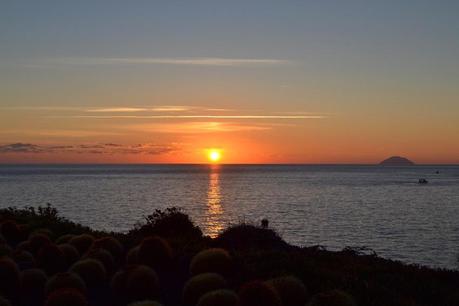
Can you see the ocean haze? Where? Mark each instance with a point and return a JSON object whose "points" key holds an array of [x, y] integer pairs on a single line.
{"points": [[383, 208]]}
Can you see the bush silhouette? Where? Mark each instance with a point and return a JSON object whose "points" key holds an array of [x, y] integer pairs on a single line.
{"points": [[51, 259], [82, 242], [71, 254], [65, 280], [332, 298], [200, 284], [9, 277], [211, 260], [32, 287], [291, 290], [91, 271], [66, 297], [155, 252], [221, 297], [257, 293]]}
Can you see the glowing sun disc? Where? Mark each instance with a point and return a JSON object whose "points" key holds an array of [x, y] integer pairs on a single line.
{"points": [[214, 155]]}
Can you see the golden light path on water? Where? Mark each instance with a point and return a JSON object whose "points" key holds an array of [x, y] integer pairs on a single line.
{"points": [[214, 208]]}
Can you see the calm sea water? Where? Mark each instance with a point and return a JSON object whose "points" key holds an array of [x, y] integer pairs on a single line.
{"points": [[383, 208]]}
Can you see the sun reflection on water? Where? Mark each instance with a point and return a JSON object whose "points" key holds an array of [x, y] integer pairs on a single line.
{"points": [[214, 225]]}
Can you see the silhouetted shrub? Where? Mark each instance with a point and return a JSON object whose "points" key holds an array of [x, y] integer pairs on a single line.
{"points": [[200, 284], [257, 293], [64, 238], [91, 271], [32, 287], [9, 277], [221, 297], [110, 244], [168, 223], [245, 236], [65, 280], [155, 252], [211, 260], [71, 254], [291, 290], [82, 242], [332, 298], [66, 297], [51, 259]]}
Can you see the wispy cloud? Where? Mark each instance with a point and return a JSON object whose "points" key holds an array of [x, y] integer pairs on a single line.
{"points": [[187, 61], [200, 116], [198, 127], [165, 108], [98, 148]]}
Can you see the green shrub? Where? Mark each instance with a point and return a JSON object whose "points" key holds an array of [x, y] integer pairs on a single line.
{"points": [[200, 284], [91, 271], [32, 287], [332, 298], [65, 280], [155, 252], [291, 290], [9, 277], [66, 297], [82, 242], [257, 293], [214, 260], [221, 297]]}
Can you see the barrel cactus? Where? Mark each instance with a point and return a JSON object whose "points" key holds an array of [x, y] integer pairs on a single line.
{"points": [[66, 297], [214, 260], [9, 279], [332, 298], [291, 290], [82, 242], [65, 280], [257, 293], [199, 285], [32, 287], [91, 271], [221, 297], [155, 252]]}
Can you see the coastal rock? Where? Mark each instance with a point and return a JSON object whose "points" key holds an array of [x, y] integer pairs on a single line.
{"points": [[396, 161]]}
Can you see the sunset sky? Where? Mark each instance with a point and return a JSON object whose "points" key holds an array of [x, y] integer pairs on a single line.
{"points": [[260, 81]]}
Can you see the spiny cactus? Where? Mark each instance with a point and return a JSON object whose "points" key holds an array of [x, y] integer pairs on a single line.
{"points": [[332, 298], [214, 260], [82, 242], [66, 297], [9, 277], [155, 252], [32, 287], [51, 259], [132, 256], [291, 290], [110, 244], [37, 241], [257, 293], [64, 238], [71, 254], [91, 271], [10, 232], [65, 280], [145, 303], [105, 257], [221, 297], [200, 284]]}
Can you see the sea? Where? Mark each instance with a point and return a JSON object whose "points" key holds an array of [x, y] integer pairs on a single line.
{"points": [[381, 208]]}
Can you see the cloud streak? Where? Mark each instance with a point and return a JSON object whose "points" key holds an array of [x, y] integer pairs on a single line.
{"points": [[99, 148], [200, 116], [182, 61]]}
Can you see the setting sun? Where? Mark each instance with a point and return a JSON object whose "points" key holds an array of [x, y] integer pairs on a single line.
{"points": [[214, 155]]}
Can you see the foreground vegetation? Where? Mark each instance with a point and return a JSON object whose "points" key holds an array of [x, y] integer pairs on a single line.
{"points": [[48, 260]]}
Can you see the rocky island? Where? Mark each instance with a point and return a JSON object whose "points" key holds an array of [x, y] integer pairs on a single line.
{"points": [[396, 161]]}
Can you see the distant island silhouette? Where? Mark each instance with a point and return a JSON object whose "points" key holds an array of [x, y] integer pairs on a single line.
{"points": [[396, 161]]}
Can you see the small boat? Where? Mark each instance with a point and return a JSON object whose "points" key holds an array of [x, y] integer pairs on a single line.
{"points": [[422, 181]]}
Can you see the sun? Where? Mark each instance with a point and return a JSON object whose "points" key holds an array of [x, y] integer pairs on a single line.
{"points": [[214, 155]]}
